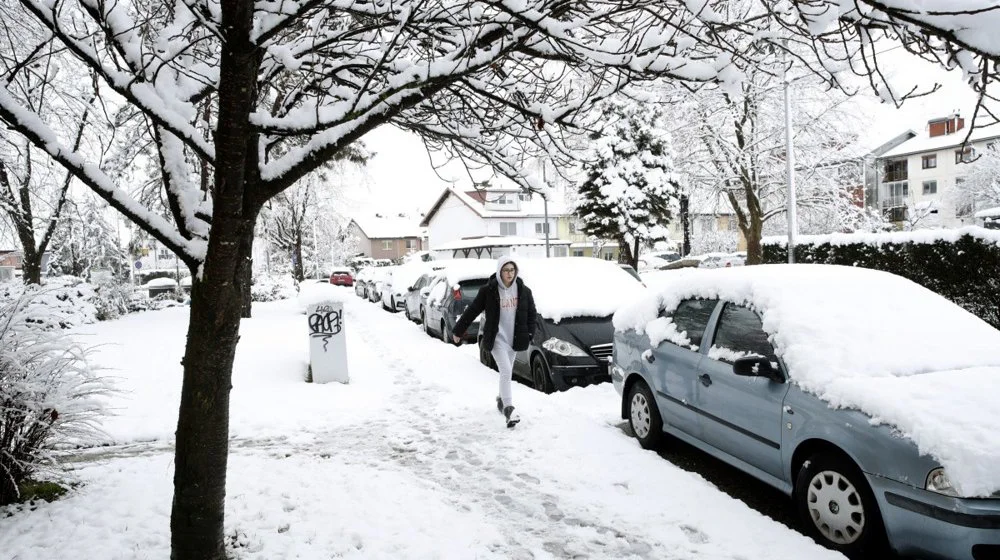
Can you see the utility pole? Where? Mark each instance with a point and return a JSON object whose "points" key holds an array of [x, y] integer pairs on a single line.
{"points": [[545, 206], [790, 168]]}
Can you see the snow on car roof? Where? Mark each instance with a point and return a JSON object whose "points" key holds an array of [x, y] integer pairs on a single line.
{"points": [[870, 341], [566, 287], [460, 270]]}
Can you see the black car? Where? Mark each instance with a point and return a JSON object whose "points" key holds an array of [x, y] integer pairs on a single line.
{"points": [[571, 346], [459, 285]]}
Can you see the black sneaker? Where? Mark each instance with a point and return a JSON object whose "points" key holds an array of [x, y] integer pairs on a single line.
{"points": [[512, 417], [499, 405]]}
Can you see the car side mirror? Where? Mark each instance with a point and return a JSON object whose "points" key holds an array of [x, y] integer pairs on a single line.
{"points": [[757, 366]]}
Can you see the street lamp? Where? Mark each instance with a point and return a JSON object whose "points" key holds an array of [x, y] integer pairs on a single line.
{"points": [[790, 167]]}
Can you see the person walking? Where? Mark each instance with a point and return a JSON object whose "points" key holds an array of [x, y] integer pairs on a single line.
{"points": [[508, 327]]}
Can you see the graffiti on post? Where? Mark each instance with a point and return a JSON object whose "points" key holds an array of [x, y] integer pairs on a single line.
{"points": [[325, 322]]}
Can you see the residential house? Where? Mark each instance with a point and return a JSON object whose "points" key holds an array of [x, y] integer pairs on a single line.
{"points": [[461, 221], [384, 236], [10, 257], [916, 177]]}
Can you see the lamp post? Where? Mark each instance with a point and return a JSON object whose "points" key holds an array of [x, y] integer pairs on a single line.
{"points": [[790, 168]]}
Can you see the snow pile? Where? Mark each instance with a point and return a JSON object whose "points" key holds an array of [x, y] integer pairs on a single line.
{"points": [[312, 293], [567, 287], [869, 340]]}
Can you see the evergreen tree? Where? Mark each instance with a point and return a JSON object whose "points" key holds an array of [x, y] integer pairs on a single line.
{"points": [[631, 190]]}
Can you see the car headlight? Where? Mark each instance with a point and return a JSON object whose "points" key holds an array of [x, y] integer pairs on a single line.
{"points": [[937, 481], [563, 348]]}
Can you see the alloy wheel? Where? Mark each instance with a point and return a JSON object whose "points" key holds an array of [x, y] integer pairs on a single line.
{"points": [[835, 507]]}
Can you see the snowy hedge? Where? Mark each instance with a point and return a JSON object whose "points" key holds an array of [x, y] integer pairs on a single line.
{"points": [[270, 288], [960, 264]]}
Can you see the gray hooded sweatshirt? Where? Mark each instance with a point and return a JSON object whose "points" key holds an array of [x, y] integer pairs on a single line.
{"points": [[508, 304]]}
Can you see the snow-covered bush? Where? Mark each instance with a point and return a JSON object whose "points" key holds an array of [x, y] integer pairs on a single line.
{"points": [[63, 301], [270, 288], [49, 394]]}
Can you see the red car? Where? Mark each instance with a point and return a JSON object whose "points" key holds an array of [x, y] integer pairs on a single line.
{"points": [[341, 278]]}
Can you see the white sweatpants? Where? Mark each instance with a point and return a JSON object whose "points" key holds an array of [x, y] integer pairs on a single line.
{"points": [[503, 355]]}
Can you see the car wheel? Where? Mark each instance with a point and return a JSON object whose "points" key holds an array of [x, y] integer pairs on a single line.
{"points": [[427, 327], [540, 375], [444, 334], [406, 312], [644, 416], [838, 508]]}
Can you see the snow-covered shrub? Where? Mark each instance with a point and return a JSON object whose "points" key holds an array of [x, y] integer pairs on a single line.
{"points": [[270, 288], [63, 301], [49, 394]]}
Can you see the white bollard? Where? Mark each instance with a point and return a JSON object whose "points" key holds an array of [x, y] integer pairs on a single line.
{"points": [[327, 342]]}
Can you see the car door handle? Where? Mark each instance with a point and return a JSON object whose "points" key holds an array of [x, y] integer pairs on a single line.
{"points": [[649, 357], [705, 379]]}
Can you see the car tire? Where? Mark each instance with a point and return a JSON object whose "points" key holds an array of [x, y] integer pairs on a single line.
{"points": [[406, 313], [540, 377], [427, 327], [644, 416], [837, 507], [444, 334]]}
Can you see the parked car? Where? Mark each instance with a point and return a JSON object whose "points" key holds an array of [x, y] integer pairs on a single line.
{"points": [[415, 295], [342, 277], [458, 284], [380, 276], [403, 278], [575, 299], [723, 260], [361, 281], [859, 394]]}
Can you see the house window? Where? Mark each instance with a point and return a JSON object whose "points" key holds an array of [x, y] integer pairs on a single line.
{"points": [[541, 228], [577, 252], [165, 254], [410, 243], [928, 162], [387, 245], [572, 228], [965, 155], [609, 255], [508, 228], [930, 187], [525, 197], [895, 170]]}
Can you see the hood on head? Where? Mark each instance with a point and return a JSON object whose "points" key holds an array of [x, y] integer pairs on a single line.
{"points": [[501, 262]]}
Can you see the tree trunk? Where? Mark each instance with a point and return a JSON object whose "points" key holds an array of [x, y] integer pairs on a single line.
{"points": [[635, 255], [246, 268], [755, 250], [197, 520], [624, 251], [685, 227], [297, 267], [31, 264]]}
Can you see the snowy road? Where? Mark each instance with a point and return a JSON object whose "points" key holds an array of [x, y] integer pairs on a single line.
{"points": [[410, 460]]}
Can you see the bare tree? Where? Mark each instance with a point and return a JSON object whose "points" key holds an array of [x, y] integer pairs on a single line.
{"points": [[980, 185]]}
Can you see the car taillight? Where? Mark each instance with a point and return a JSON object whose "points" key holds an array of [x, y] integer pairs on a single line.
{"points": [[457, 294]]}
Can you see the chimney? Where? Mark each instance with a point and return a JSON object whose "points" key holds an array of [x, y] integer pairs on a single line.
{"points": [[946, 125]]}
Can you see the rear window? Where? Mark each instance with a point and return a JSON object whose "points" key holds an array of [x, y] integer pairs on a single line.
{"points": [[470, 288]]}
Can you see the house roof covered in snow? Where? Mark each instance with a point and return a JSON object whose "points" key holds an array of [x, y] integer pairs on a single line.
{"points": [[533, 208], [381, 226], [924, 142], [496, 241]]}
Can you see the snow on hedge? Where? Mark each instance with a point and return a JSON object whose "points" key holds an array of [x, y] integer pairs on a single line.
{"points": [[917, 236]]}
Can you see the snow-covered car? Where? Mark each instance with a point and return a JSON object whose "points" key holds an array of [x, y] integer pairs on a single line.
{"points": [[362, 281], [868, 399], [575, 298], [459, 283], [723, 260], [403, 278]]}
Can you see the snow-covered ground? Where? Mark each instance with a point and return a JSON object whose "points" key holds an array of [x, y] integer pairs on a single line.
{"points": [[410, 460]]}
